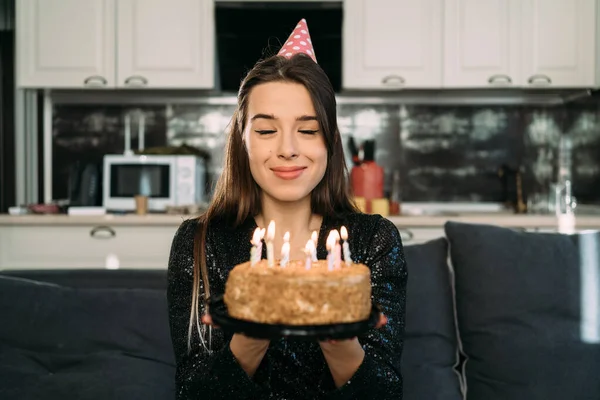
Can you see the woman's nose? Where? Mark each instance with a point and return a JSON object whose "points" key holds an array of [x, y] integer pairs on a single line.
{"points": [[287, 146]]}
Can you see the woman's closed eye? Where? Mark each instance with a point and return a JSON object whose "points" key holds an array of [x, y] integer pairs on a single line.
{"points": [[309, 131], [270, 131], [265, 131]]}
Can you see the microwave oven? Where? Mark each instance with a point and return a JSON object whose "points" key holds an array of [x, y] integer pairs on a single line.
{"points": [[167, 180]]}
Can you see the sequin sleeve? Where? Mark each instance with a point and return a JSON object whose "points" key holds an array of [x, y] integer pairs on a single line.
{"points": [[379, 376], [209, 370]]}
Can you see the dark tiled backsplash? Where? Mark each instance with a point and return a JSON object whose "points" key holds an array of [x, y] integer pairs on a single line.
{"points": [[443, 153]]}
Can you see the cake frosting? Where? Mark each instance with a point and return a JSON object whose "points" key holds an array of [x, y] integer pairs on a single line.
{"points": [[295, 295]]}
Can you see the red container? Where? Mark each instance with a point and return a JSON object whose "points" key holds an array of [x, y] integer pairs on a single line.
{"points": [[367, 180]]}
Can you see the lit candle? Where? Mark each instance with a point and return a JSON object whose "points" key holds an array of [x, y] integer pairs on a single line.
{"points": [[285, 251], [314, 237], [344, 233], [256, 250], [270, 249], [338, 252], [308, 250], [330, 251]]}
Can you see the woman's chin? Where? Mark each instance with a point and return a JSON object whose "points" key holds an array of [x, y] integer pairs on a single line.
{"points": [[289, 195]]}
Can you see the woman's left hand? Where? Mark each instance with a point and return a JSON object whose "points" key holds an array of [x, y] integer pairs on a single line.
{"points": [[345, 356], [382, 322]]}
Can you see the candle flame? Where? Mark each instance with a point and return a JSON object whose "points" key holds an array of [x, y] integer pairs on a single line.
{"points": [[336, 234], [310, 247], [331, 239], [314, 236], [271, 231], [286, 237], [256, 236], [285, 255], [344, 233]]}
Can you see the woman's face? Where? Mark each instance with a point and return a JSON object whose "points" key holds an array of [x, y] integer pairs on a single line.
{"points": [[285, 144]]}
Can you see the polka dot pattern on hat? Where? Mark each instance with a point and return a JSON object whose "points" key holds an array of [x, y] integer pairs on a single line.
{"points": [[298, 42]]}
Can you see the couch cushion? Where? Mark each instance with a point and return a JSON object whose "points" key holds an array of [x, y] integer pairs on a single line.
{"points": [[527, 308], [60, 342], [97, 278], [430, 349]]}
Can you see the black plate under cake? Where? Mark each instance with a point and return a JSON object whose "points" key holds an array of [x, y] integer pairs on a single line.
{"points": [[220, 316]]}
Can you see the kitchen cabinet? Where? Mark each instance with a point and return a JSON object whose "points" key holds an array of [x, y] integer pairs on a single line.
{"points": [[392, 44], [144, 241], [418, 235], [481, 43], [560, 44], [106, 245], [115, 44], [135, 246], [85, 246], [520, 43], [65, 43], [165, 44]]}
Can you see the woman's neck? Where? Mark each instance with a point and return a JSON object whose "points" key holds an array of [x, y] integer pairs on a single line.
{"points": [[296, 218]]}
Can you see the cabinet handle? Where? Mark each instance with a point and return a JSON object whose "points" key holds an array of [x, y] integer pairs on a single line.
{"points": [[499, 78], [539, 79], [525, 230], [95, 80], [393, 79], [406, 235], [136, 80], [103, 232]]}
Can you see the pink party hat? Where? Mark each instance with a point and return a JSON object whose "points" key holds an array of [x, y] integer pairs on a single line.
{"points": [[298, 42]]}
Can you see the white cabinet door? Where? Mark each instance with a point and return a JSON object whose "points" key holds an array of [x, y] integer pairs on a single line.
{"points": [[418, 235], [392, 44], [559, 43], [33, 247], [85, 246], [65, 43], [481, 43], [144, 246], [165, 44]]}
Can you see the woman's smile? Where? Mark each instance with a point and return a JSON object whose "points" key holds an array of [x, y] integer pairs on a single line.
{"points": [[288, 172]]}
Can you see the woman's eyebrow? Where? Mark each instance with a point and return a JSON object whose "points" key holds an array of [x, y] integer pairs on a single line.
{"points": [[262, 116], [272, 117], [307, 118]]}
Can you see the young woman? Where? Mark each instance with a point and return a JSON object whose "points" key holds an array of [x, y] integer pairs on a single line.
{"points": [[284, 162]]}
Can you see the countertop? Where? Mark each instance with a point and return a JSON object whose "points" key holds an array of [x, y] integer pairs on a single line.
{"points": [[507, 219]]}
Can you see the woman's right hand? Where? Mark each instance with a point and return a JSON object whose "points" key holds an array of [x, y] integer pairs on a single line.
{"points": [[249, 352]]}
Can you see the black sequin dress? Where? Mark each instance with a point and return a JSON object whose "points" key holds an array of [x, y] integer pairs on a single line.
{"points": [[290, 369]]}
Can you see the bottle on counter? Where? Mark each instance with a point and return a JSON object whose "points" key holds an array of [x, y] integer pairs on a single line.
{"points": [[367, 177], [565, 202]]}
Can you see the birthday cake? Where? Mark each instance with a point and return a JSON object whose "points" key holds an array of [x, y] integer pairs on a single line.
{"points": [[299, 292]]}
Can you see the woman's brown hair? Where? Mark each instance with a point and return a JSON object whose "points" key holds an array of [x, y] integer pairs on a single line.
{"points": [[237, 195]]}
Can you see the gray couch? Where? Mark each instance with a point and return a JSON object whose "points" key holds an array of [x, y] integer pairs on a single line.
{"points": [[504, 323]]}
